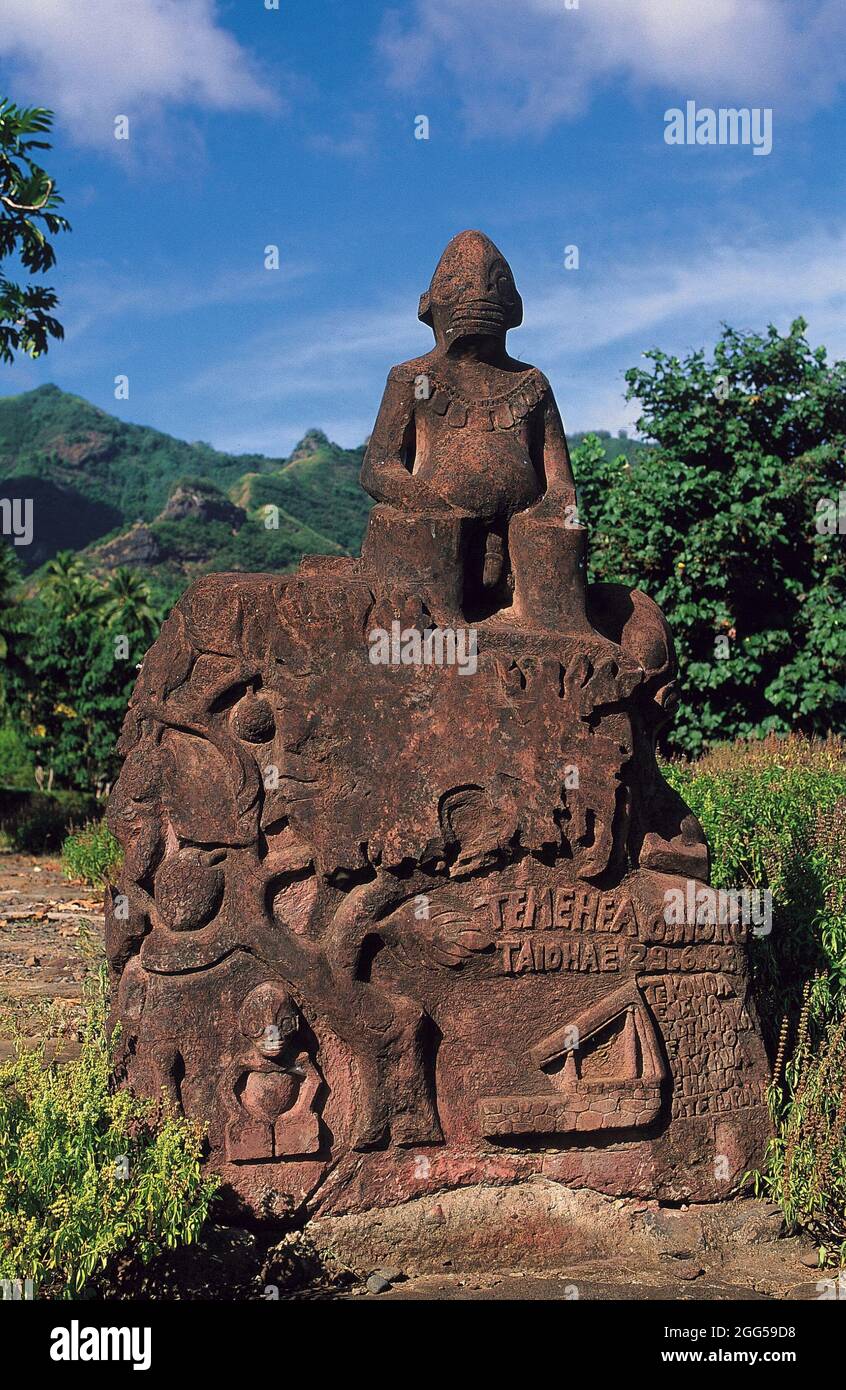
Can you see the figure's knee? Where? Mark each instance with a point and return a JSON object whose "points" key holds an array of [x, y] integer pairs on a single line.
{"points": [[635, 622]]}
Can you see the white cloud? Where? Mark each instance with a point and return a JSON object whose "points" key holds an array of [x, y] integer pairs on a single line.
{"points": [[355, 140], [99, 293], [584, 330], [91, 60], [343, 354], [522, 65], [746, 284]]}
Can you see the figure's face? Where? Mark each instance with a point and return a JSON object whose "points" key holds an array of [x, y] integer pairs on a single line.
{"points": [[472, 292], [275, 1035], [269, 1017]]}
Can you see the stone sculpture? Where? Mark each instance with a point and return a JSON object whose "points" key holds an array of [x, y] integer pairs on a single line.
{"points": [[392, 922]]}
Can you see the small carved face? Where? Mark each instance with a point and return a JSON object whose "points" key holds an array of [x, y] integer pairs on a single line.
{"points": [[269, 1017], [472, 292]]}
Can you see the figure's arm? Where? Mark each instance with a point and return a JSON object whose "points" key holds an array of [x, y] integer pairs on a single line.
{"points": [[553, 457], [556, 455], [386, 473]]}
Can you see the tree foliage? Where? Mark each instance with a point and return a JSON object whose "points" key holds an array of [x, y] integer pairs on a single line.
{"points": [[84, 640], [90, 1174], [723, 522], [28, 203]]}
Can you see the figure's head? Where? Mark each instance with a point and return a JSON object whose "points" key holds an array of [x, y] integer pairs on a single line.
{"points": [[472, 293], [269, 1017]]}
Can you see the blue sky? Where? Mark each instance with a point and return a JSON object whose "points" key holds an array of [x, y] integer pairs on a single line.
{"points": [[252, 126]]}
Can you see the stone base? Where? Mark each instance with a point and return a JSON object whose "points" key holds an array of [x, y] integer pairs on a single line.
{"points": [[694, 1161], [535, 1225]]}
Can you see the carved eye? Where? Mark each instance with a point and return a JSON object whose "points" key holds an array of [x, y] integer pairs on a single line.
{"points": [[501, 281], [253, 719]]}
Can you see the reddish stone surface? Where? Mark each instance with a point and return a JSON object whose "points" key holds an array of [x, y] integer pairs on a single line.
{"points": [[392, 923]]}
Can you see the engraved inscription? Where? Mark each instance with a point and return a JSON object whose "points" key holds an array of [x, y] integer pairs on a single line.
{"points": [[564, 909], [703, 1022], [539, 955]]}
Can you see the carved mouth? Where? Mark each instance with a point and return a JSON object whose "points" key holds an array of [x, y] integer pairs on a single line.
{"points": [[478, 317], [478, 311]]}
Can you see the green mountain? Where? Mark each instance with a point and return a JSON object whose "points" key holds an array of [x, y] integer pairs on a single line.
{"points": [[125, 494]]}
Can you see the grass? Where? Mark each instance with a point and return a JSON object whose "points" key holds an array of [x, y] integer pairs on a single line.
{"points": [[91, 855], [805, 1164], [774, 812]]}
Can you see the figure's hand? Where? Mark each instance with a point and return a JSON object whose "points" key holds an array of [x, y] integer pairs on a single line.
{"points": [[388, 480], [423, 498], [557, 504]]}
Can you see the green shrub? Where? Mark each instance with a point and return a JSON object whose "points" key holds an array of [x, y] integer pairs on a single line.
{"points": [[805, 1165], [36, 821], [66, 1138], [92, 855], [718, 523], [774, 813]]}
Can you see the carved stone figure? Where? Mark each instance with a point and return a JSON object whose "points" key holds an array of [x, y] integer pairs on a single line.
{"points": [[270, 1089], [467, 432], [400, 904]]}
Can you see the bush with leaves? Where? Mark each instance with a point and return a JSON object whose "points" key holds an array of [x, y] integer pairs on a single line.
{"points": [[774, 812], [805, 1165], [39, 820], [13, 636], [28, 203], [726, 523], [16, 765], [89, 1173], [86, 638]]}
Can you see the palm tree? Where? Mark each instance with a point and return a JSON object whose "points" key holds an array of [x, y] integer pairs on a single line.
{"points": [[69, 588], [128, 599]]}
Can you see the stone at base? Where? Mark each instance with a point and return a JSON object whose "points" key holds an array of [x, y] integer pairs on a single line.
{"points": [[539, 1225]]}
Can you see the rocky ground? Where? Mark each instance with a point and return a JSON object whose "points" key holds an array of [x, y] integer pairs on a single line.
{"points": [[51, 939], [238, 1265]]}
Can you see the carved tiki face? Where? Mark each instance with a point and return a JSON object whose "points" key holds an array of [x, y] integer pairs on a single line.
{"points": [[472, 293], [269, 1018]]}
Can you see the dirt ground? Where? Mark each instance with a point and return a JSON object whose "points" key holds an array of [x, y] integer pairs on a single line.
{"points": [[51, 934]]}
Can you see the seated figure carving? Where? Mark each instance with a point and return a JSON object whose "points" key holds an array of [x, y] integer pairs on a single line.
{"points": [[467, 431]]}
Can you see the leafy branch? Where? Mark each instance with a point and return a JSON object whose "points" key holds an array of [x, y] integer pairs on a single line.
{"points": [[28, 218]]}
